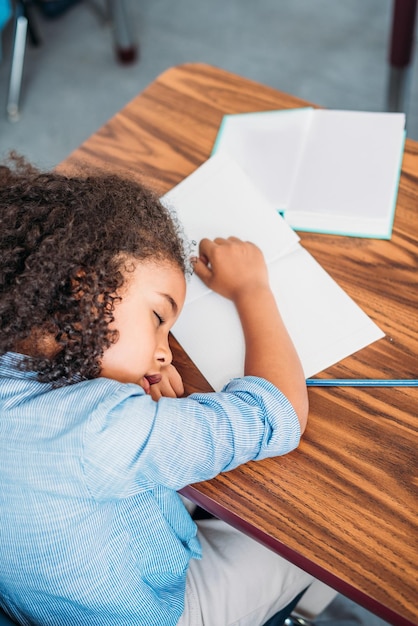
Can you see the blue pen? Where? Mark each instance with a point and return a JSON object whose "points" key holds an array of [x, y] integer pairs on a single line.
{"points": [[362, 382]]}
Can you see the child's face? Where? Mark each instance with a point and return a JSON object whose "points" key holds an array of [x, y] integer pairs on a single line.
{"points": [[152, 299]]}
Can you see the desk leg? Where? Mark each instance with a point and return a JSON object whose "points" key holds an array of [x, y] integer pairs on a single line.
{"points": [[401, 47]]}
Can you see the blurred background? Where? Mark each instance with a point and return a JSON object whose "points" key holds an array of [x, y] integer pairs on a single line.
{"points": [[334, 54]]}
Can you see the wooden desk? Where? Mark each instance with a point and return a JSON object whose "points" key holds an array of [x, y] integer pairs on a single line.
{"points": [[344, 505]]}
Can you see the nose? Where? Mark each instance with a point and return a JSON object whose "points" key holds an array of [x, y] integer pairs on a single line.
{"points": [[163, 353]]}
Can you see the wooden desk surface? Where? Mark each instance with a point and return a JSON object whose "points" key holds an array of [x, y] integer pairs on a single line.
{"points": [[344, 505]]}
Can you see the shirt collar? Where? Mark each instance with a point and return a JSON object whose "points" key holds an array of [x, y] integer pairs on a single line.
{"points": [[11, 367]]}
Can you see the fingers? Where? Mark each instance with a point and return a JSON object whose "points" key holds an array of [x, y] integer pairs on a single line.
{"points": [[202, 270], [170, 385], [202, 263], [206, 247], [227, 266], [175, 380], [155, 393], [215, 253]]}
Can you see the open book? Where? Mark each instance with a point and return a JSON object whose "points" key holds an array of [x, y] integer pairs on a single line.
{"points": [[326, 325], [325, 170]]}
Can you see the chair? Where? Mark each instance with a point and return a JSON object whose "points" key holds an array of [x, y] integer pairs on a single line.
{"points": [[24, 22], [315, 600], [280, 619], [400, 53], [5, 13], [305, 607]]}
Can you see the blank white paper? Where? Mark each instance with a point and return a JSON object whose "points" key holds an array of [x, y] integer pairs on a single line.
{"points": [[326, 325], [219, 200]]}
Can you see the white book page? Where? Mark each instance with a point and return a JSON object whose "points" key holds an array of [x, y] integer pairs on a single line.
{"points": [[350, 170], [325, 324], [268, 147], [209, 331], [219, 200]]}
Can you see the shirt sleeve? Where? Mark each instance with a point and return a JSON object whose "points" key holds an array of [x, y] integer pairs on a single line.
{"points": [[133, 443]]}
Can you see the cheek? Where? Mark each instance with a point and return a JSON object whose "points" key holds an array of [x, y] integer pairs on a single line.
{"points": [[128, 359], [136, 348]]}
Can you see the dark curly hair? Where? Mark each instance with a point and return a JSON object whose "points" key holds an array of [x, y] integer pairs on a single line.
{"points": [[63, 243]]}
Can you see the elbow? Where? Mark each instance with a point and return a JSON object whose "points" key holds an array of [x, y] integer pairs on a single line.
{"points": [[298, 398], [302, 411]]}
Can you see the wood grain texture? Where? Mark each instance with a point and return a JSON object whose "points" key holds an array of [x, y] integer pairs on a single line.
{"points": [[343, 505]]}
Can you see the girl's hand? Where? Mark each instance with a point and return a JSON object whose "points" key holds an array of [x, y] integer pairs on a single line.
{"points": [[231, 266], [236, 270], [170, 385]]}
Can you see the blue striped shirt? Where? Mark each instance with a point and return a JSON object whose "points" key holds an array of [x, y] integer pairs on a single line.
{"points": [[92, 530]]}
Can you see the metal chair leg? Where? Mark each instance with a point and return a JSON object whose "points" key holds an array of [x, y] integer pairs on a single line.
{"points": [[125, 46], [297, 621], [16, 71], [401, 48]]}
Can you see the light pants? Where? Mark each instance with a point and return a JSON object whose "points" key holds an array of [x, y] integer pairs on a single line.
{"points": [[238, 582]]}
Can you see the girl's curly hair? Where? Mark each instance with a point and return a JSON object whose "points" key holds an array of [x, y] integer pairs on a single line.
{"points": [[63, 243]]}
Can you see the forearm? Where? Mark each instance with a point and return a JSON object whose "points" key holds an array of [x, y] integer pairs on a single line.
{"points": [[237, 271], [269, 351]]}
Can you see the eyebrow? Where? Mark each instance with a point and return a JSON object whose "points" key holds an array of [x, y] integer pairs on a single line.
{"points": [[170, 300]]}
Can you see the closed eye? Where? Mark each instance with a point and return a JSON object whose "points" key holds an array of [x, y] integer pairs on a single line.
{"points": [[159, 318]]}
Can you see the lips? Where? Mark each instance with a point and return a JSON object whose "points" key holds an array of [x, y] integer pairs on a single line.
{"points": [[153, 379]]}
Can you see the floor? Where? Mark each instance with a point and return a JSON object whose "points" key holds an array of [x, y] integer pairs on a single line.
{"points": [[331, 53]]}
